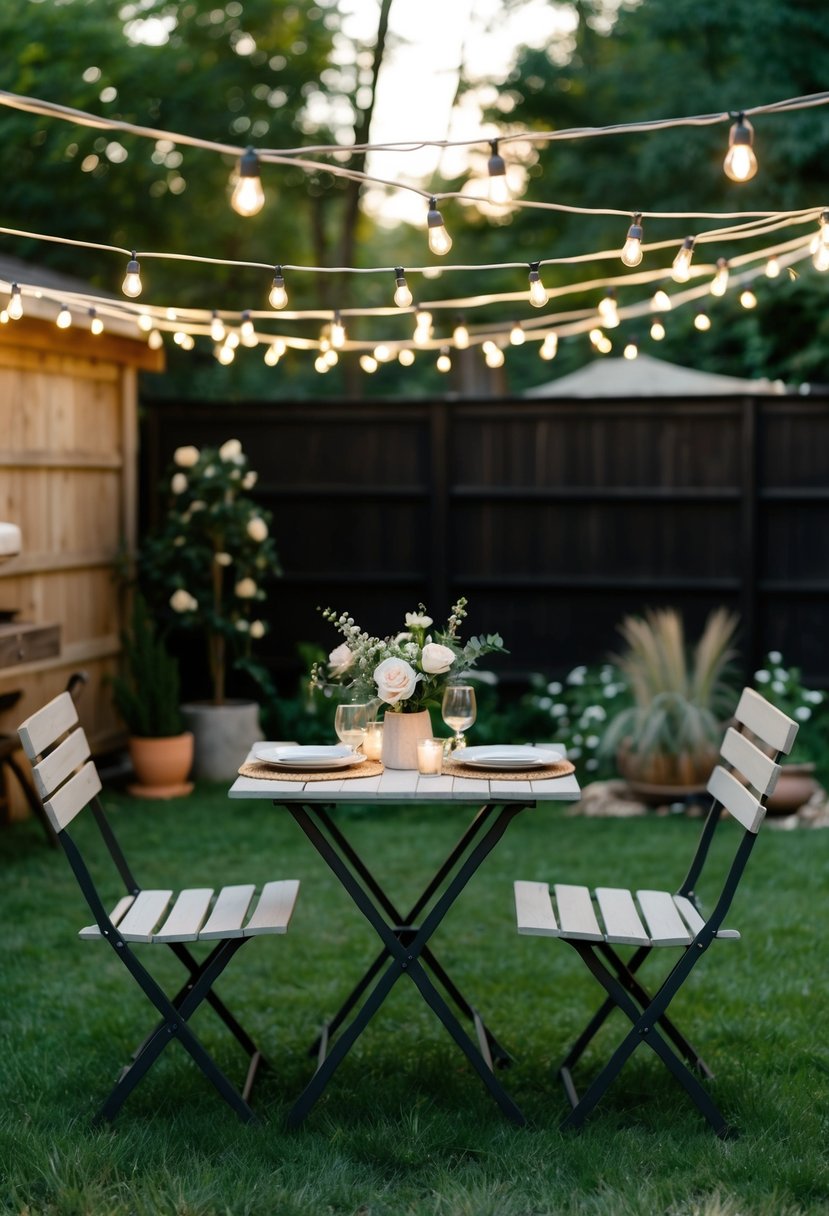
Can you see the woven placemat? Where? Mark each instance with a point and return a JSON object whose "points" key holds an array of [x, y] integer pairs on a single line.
{"points": [[370, 768], [560, 768]]}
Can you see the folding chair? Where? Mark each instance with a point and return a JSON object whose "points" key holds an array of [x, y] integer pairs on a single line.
{"points": [[68, 782], [594, 923]]}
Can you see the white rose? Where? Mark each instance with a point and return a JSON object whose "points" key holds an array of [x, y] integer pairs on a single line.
{"points": [[436, 659], [340, 659], [246, 589], [179, 483], [395, 680], [249, 480], [416, 620], [186, 457], [183, 601], [257, 629], [230, 449], [222, 559], [257, 528]]}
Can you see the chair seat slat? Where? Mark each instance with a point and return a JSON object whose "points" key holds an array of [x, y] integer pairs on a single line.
{"points": [[53, 769], [93, 933], [186, 916], [534, 910], [695, 920], [274, 909], [621, 920], [228, 912], [666, 926], [755, 765], [146, 911], [575, 913]]}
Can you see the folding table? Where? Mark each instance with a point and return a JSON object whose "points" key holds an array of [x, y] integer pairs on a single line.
{"points": [[405, 933]]}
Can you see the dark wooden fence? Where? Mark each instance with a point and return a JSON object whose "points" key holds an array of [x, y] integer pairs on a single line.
{"points": [[554, 517]]}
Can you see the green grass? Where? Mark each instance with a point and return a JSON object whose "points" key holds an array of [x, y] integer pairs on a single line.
{"points": [[406, 1127]]}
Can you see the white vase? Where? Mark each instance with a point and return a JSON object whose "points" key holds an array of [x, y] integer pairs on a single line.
{"points": [[401, 732], [223, 736]]}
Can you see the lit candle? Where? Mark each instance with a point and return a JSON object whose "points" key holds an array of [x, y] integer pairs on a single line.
{"points": [[373, 741], [429, 757]]}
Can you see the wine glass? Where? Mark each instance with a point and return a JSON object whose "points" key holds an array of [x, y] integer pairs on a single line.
{"points": [[458, 711], [350, 722]]}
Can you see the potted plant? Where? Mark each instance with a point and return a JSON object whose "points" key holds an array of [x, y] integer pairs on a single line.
{"points": [[146, 696], [668, 740], [205, 566], [783, 687]]}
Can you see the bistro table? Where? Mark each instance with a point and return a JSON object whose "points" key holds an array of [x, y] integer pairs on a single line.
{"points": [[405, 935]]}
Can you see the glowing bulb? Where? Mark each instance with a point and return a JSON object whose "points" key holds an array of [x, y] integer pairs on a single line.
{"points": [[607, 310], [772, 268], [702, 322], [402, 295], [820, 244], [719, 283], [406, 357], [631, 351], [517, 336], [247, 331], [155, 341], [820, 258], [444, 363], [748, 299], [321, 364], [740, 163], [337, 332], [383, 353], [423, 327], [549, 347], [248, 197], [440, 241], [272, 354], [681, 270], [15, 309], [144, 322], [225, 354], [657, 330], [331, 358], [64, 318], [538, 293], [497, 170], [494, 356], [96, 325], [232, 339], [632, 250], [131, 285], [460, 336], [369, 364], [661, 301], [278, 297], [171, 315], [604, 346], [595, 336], [4, 316]]}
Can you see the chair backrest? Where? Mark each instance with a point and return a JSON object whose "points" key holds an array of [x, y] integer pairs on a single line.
{"points": [[57, 748]]}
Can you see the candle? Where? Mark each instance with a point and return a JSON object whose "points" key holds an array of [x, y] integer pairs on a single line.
{"points": [[429, 757], [373, 741]]}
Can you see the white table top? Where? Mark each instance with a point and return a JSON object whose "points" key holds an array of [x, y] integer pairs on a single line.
{"points": [[407, 785]]}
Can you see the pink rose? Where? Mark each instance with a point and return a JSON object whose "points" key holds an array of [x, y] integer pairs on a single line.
{"points": [[395, 680], [436, 659], [340, 659]]}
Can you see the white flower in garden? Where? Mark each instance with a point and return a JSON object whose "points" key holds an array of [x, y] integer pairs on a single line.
{"points": [[198, 505], [249, 480], [606, 675], [592, 740], [775, 656], [246, 589], [816, 698], [554, 688], [417, 620], [179, 540], [257, 629], [186, 457], [222, 559], [803, 713], [395, 680], [210, 471], [577, 675], [230, 450], [436, 659], [558, 711], [340, 659], [242, 625], [778, 686], [591, 764], [257, 529], [780, 673], [183, 601], [179, 483], [762, 677]]}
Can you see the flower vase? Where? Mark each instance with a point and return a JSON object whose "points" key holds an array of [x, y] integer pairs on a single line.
{"points": [[401, 732]]}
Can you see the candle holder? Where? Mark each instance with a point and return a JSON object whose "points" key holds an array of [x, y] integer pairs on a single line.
{"points": [[430, 757], [373, 741]]}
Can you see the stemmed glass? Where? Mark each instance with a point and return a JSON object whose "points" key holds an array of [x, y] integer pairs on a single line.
{"points": [[458, 711], [350, 722]]}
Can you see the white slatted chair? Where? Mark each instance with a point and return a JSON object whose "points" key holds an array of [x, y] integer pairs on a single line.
{"points": [[67, 782], [596, 922]]}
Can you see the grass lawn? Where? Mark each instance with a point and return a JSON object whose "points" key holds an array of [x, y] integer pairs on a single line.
{"points": [[406, 1127]]}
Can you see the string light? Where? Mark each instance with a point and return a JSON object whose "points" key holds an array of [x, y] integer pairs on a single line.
{"points": [[321, 365], [632, 249], [225, 354], [15, 308], [331, 358], [444, 363], [131, 285], [248, 197], [369, 364], [405, 357], [423, 327], [493, 355], [702, 322], [402, 295], [337, 332], [96, 325], [819, 247], [64, 318], [273, 354], [549, 347], [538, 292], [497, 170], [740, 163], [278, 297], [144, 322], [460, 335], [383, 353], [631, 351], [772, 268], [719, 283], [183, 339], [440, 241], [748, 299], [155, 340], [517, 336], [247, 331], [657, 330], [681, 269], [232, 339], [217, 328], [661, 301], [607, 309]]}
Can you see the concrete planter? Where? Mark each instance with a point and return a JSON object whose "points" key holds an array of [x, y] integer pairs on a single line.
{"points": [[223, 735], [400, 735]]}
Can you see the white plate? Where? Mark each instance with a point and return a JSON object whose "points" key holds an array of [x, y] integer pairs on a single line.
{"points": [[314, 756], [506, 755]]}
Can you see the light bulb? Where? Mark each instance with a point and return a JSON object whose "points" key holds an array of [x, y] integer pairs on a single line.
{"points": [[155, 341], [144, 322], [608, 311], [232, 339], [719, 283], [248, 197], [337, 332], [369, 364], [188, 342], [681, 269], [657, 330], [225, 354], [4, 316], [604, 346], [820, 257], [272, 354], [549, 347], [402, 295], [131, 285], [278, 297], [772, 268], [494, 356], [702, 322], [383, 353], [748, 299], [96, 325], [444, 363], [217, 328], [423, 327], [631, 351], [406, 357], [820, 244], [497, 170], [247, 331], [538, 293], [460, 336], [15, 309], [632, 250], [331, 358], [517, 336], [595, 336], [740, 163], [320, 365], [440, 241], [171, 314], [661, 301], [64, 318]]}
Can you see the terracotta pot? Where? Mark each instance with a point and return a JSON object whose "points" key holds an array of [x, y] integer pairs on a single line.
{"points": [[223, 736], [795, 786], [663, 769], [401, 732], [162, 766]]}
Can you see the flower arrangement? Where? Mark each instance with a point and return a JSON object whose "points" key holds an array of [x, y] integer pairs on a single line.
{"points": [[205, 564], [408, 671], [783, 687]]}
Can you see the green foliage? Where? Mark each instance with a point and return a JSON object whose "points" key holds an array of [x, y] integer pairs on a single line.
{"points": [[783, 687], [577, 711], [146, 695]]}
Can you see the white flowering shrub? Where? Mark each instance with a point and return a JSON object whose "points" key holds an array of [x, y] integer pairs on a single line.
{"points": [[578, 709], [783, 687], [205, 565]]}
